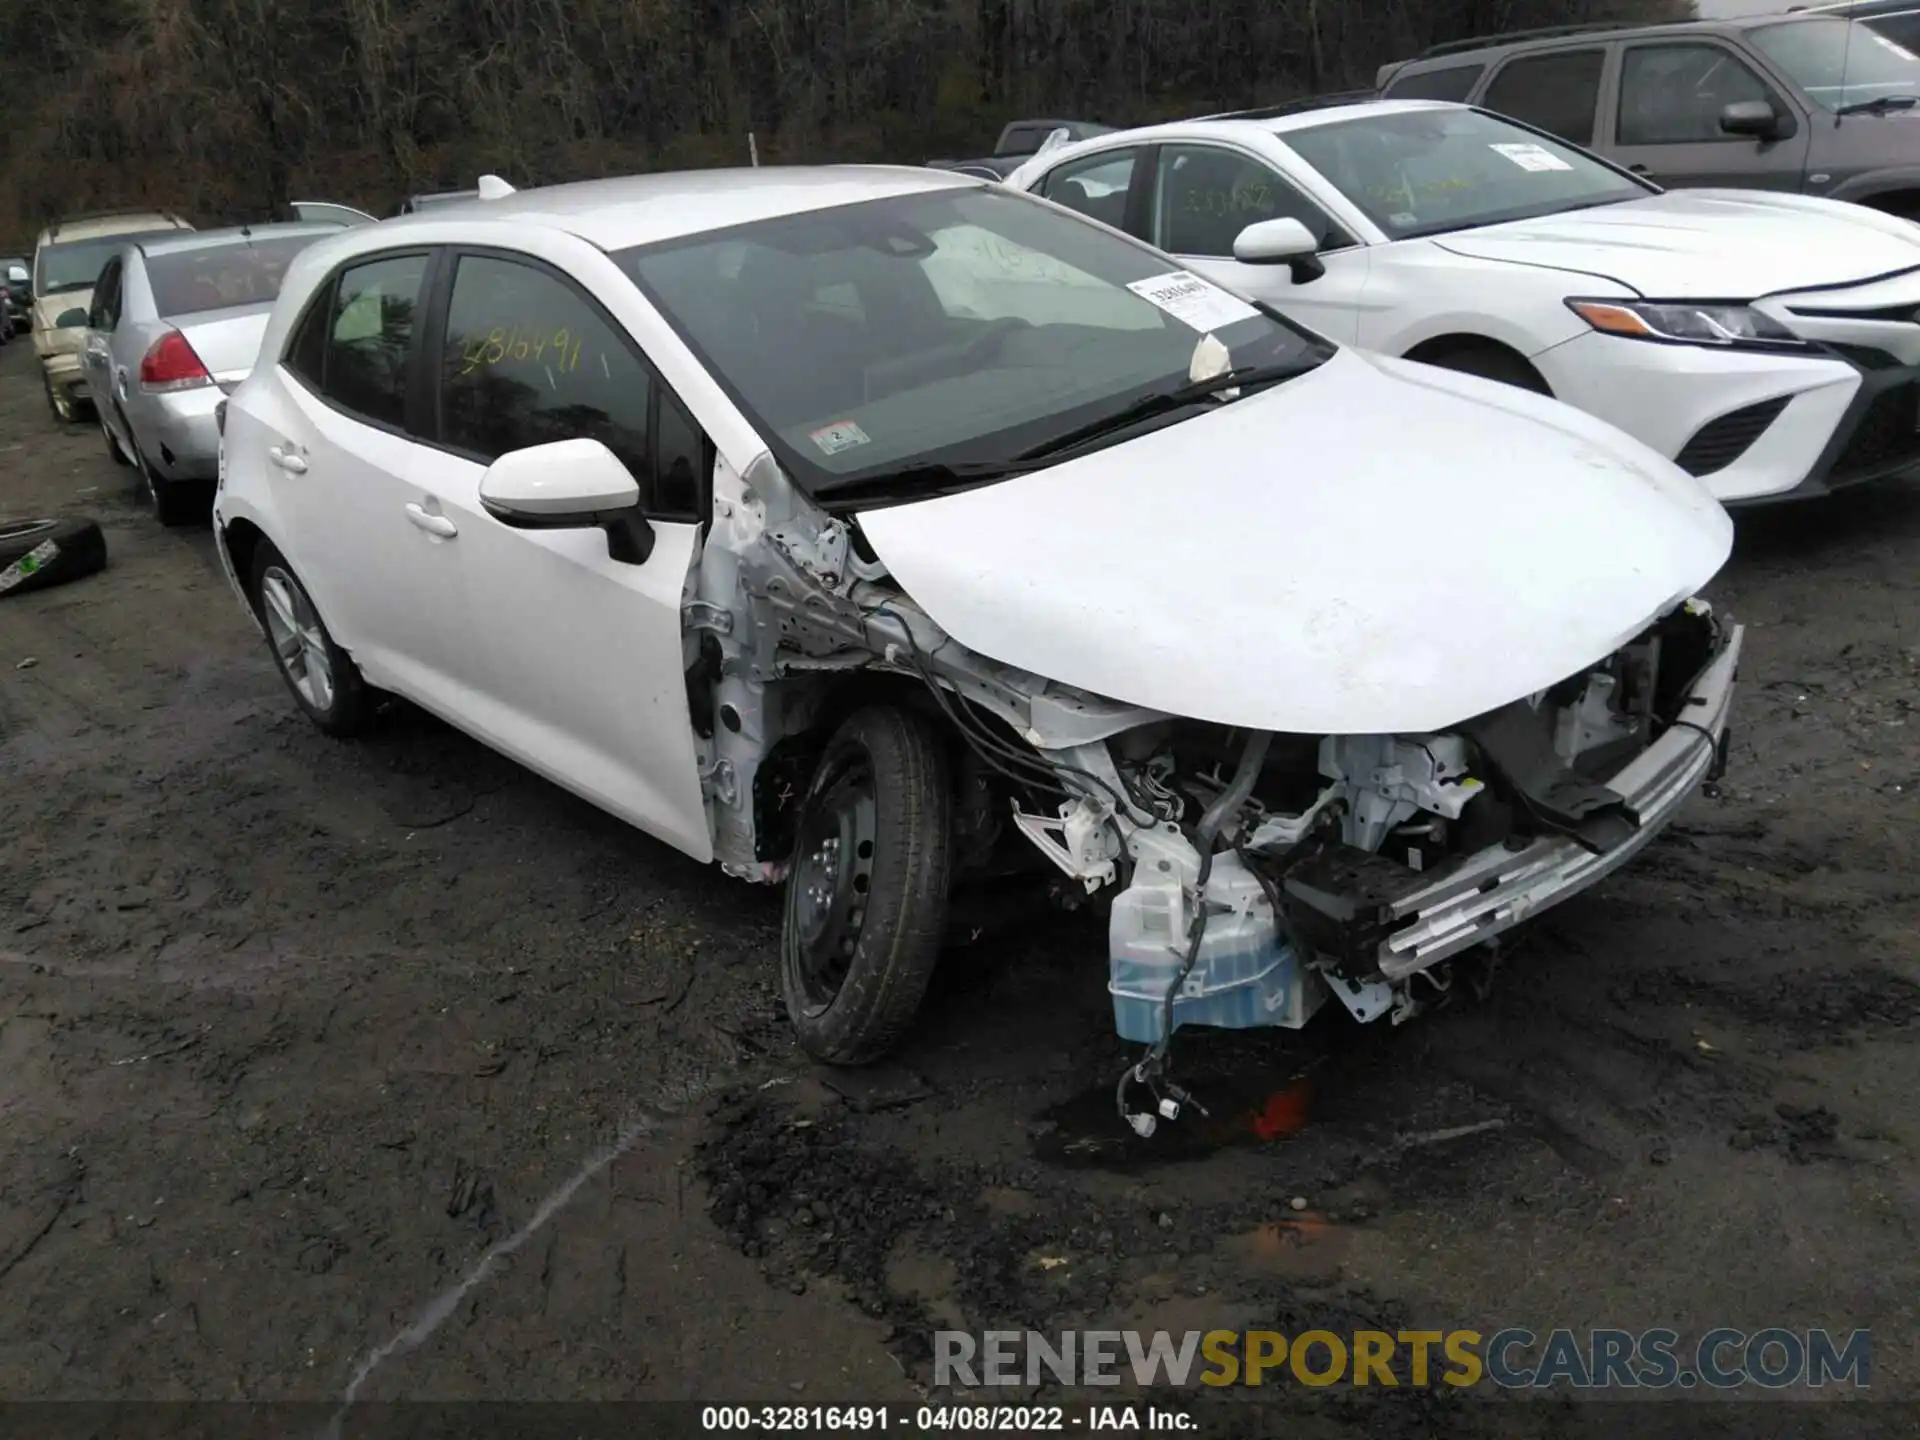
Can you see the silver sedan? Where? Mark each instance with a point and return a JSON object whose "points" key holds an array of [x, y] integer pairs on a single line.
{"points": [[175, 325]]}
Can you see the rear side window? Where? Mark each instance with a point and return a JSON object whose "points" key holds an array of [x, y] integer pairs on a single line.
{"points": [[527, 360], [1449, 82], [368, 337], [1557, 93], [219, 277]]}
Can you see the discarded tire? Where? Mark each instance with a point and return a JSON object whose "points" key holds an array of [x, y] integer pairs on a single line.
{"points": [[37, 553]]}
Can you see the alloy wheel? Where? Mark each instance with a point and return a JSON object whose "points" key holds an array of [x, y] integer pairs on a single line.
{"points": [[299, 644]]}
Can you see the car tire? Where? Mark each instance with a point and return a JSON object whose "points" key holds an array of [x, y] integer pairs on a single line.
{"points": [[37, 553], [171, 501], [866, 901], [1491, 362], [325, 682], [114, 452]]}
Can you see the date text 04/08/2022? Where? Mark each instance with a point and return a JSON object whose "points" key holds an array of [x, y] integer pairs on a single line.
{"points": [[928, 1419]]}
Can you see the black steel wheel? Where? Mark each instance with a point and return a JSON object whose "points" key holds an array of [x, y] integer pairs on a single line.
{"points": [[866, 895]]}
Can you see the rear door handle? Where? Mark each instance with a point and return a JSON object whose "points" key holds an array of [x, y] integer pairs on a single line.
{"points": [[1641, 169], [287, 460], [433, 524]]}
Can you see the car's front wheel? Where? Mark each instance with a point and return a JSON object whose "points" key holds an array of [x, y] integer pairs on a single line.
{"points": [[866, 901], [323, 678]]}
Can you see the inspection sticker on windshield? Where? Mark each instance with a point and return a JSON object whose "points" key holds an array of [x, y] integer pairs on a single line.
{"points": [[1531, 157], [840, 435], [1193, 301]]}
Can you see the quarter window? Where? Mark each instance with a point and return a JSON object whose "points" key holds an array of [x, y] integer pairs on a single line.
{"points": [[1673, 94], [1206, 196], [527, 360], [369, 337], [1096, 186], [1557, 93]]}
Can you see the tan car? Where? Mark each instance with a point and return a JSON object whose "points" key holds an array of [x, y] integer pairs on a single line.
{"points": [[66, 261]]}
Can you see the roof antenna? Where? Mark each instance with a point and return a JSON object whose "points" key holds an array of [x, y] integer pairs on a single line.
{"points": [[753, 150], [492, 187], [1846, 60]]}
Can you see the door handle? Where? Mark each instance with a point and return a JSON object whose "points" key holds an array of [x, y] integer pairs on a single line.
{"points": [[1646, 170], [433, 524], [287, 460]]}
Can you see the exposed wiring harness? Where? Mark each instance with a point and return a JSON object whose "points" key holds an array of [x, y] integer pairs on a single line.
{"points": [[1151, 1070]]}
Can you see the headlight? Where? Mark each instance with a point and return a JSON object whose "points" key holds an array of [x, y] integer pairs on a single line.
{"points": [[1680, 322]]}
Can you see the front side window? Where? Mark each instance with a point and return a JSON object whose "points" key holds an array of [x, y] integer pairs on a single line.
{"points": [[1096, 186], [370, 337], [1425, 172], [1557, 93], [75, 264], [1839, 63], [1673, 94], [1449, 82], [526, 360], [987, 323], [1205, 196], [222, 276]]}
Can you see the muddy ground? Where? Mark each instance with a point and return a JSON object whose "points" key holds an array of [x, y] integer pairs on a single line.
{"points": [[292, 1031]]}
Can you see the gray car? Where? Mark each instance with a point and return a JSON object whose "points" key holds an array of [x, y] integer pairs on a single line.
{"points": [[1818, 102], [175, 325]]}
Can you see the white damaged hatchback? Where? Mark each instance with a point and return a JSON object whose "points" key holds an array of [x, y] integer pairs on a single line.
{"points": [[904, 538]]}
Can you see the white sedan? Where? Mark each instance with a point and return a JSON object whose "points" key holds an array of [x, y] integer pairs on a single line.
{"points": [[887, 533], [1767, 343]]}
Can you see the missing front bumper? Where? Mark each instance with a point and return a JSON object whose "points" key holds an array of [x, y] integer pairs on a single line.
{"points": [[1387, 920]]}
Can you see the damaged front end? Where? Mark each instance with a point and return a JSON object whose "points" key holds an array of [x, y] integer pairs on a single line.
{"points": [[1250, 873]]}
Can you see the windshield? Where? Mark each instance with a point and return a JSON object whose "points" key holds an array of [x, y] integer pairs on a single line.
{"points": [[1840, 62], [76, 264], [217, 277], [950, 327], [1424, 172]]}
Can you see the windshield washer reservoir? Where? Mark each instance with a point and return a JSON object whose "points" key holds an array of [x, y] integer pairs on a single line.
{"points": [[1244, 977]]}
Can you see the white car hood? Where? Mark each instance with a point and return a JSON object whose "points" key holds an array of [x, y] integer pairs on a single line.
{"points": [[1376, 547], [1707, 244]]}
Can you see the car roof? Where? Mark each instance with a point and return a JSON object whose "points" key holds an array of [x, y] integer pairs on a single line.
{"points": [[1482, 49], [188, 240], [1279, 125], [99, 227], [616, 214]]}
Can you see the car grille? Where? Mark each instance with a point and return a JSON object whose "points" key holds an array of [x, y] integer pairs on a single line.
{"points": [[1718, 443], [1886, 437]]}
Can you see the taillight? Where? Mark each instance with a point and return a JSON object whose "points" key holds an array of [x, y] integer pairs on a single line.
{"points": [[172, 365]]}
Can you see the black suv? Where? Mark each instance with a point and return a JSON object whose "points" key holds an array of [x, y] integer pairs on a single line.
{"points": [[1820, 101]]}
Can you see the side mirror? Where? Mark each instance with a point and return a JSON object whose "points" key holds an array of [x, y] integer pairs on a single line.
{"points": [[71, 318], [569, 485], [1280, 242], [1750, 117]]}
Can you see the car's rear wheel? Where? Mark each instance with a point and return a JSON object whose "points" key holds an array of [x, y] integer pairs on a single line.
{"points": [[171, 501], [114, 452], [866, 900], [323, 678]]}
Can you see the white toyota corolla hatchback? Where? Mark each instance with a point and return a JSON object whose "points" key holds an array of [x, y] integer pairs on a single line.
{"points": [[892, 534], [1767, 343]]}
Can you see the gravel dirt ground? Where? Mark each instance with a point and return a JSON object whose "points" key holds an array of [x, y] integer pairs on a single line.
{"points": [[296, 1033]]}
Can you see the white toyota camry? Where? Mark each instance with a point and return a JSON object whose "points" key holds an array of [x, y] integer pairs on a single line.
{"points": [[891, 534], [1765, 342]]}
